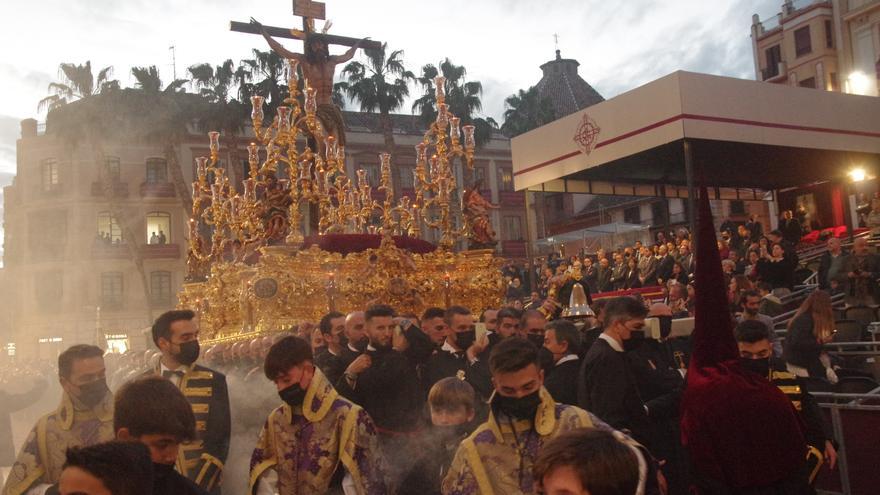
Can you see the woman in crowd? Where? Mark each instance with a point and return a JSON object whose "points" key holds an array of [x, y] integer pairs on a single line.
{"points": [[631, 277], [679, 274], [812, 326], [775, 268], [738, 285], [752, 267]]}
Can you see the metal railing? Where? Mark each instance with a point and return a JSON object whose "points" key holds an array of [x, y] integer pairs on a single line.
{"points": [[836, 403]]}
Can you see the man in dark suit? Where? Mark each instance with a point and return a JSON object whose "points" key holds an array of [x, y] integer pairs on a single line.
{"points": [[590, 274], [355, 337], [618, 272], [330, 360], [664, 266], [607, 385], [563, 341], [177, 337], [458, 355], [384, 382], [791, 229], [831, 267], [603, 276]]}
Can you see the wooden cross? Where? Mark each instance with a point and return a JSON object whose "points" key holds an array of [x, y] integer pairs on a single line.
{"points": [[309, 11]]}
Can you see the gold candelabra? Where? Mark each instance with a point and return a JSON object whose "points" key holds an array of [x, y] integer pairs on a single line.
{"points": [[269, 209]]}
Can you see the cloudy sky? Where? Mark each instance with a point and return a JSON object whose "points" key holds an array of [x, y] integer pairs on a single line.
{"points": [[620, 45]]}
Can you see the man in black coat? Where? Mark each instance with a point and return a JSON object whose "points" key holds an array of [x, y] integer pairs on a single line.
{"points": [[176, 335], [330, 360], [384, 382], [831, 266], [355, 338], [563, 341], [664, 265], [459, 354], [607, 385]]}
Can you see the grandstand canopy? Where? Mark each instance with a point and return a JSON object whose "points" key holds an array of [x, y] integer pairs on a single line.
{"points": [[747, 137]]}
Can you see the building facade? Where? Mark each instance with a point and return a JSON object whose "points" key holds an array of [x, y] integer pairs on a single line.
{"points": [[832, 45], [70, 272]]}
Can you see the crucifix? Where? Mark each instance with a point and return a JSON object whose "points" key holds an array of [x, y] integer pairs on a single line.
{"points": [[317, 65]]}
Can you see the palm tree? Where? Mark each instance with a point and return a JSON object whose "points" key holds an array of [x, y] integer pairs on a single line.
{"points": [[221, 112], [77, 83], [525, 111], [266, 69], [463, 98], [381, 86]]}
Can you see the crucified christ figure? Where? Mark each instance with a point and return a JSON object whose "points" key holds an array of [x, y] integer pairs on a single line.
{"points": [[318, 67]]}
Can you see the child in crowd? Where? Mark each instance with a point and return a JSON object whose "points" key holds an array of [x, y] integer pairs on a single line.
{"points": [[451, 402]]}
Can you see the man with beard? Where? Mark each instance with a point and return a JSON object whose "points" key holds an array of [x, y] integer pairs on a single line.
{"points": [[562, 342], [509, 321], [177, 337], [85, 417], [355, 337], [384, 381], [607, 384], [459, 354], [435, 326], [330, 360], [750, 302], [498, 457], [154, 412], [316, 442]]}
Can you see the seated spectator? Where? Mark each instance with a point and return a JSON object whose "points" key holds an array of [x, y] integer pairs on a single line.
{"points": [[770, 305], [738, 285], [751, 269], [112, 468], [812, 326]]}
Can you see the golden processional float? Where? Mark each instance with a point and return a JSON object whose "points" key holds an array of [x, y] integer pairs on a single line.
{"points": [[251, 271]]}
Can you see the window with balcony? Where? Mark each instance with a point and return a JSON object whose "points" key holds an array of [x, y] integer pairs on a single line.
{"points": [[160, 288], [48, 290], [108, 229], [511, 229], [50, 181], [809, 82], [158, 227], [112, 169], [505, 179], [632, 215], [773, 55], [374, 175], [405, 177], [829, 35], [111, 290], [157, 171], [802, 42]]}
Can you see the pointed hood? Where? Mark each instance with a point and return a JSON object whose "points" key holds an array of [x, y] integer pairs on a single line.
{"points": [[713, 340], [740, 430]]}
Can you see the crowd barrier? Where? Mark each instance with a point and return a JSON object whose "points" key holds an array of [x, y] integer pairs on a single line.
{"points": [[855, 419]]}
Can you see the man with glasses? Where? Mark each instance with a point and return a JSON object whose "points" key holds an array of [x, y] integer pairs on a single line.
{"points": [[607, 385]]}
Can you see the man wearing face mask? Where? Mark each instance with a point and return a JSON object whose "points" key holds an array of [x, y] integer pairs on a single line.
{"points": [[459, 355], [756, 355], [607, 385], [154, 412], [316, 442], [85, 417], [384, 381], [562, 342], [176, 335], [499, 456]]}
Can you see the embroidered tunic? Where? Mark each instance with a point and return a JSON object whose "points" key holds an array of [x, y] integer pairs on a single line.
{"points": [[304, 445], [43, 454]]}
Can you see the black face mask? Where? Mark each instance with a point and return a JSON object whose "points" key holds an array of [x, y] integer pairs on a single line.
{"points": [[465, 339], [523, 408], [91, 394], [665, 326], [189, 352], [293, 395], [162, 471], [759, 366], [536, 338], [636, 339]]}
